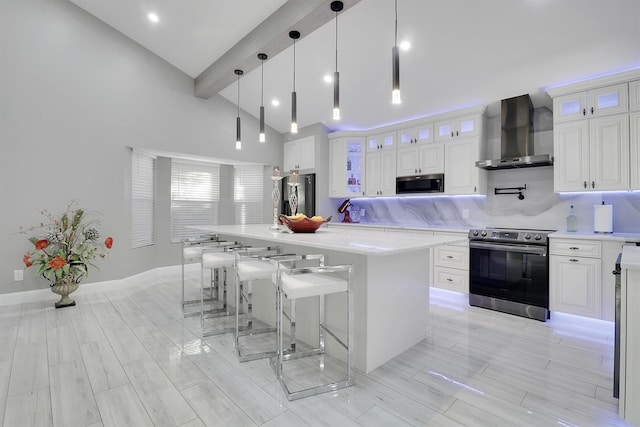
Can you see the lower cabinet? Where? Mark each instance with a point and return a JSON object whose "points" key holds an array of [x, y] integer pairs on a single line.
{"points": [[450, 266], [575, 285]]}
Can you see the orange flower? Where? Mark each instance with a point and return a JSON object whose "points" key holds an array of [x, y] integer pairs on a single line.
{"points": [[41, 244], [108, 242], [57, 262], [27, 260]]}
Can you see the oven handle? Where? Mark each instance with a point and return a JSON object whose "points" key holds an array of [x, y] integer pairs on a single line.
{"points": [[526, 249]]}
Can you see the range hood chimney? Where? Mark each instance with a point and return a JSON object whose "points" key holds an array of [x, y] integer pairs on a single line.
{"points": [[517, 137]]}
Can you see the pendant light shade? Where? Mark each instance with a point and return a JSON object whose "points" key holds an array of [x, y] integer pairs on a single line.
{"points": [[294, 35], [395, 64], [262, 57], [238, 131], [336, 6]]}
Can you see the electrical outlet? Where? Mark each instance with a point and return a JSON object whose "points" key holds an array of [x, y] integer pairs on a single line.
{"points": [[18, 275], [362, 213], [465, 213]]}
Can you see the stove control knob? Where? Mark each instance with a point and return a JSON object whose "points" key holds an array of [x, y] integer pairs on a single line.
{"points": [[537, 237], [475, 232], [527, 236], [484, 233]]}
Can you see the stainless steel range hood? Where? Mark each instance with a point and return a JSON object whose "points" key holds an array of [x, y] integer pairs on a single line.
{"points": [[517, 137]]}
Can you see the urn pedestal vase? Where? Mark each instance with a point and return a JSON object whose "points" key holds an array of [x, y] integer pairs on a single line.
{"points": [[63, 287]]}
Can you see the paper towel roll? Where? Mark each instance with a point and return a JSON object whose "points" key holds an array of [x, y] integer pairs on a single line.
{"points": [[603, 218]]}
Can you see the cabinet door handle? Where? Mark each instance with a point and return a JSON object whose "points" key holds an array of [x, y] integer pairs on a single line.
{"points": [[415, 171], [420, 170], [574, 248], [475, 189], [449, 280], [573, 260], [457, 133], [593, 184], [584, 111], [591, 110], [452, 134], [449, 256], [584, 184]]}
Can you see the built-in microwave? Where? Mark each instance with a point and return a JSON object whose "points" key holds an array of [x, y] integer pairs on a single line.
{"points": [[420, 184]]}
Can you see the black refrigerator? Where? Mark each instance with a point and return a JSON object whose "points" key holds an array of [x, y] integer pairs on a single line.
{"points": [[306, 191]]}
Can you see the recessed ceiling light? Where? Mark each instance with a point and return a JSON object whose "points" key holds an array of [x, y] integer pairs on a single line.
{"points": [[328, 78], [405, 45], [153, 17], [275, 102]]}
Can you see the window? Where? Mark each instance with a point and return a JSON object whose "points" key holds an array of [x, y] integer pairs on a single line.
{"points": [[142, 199], [248, 193], [195, 194]]}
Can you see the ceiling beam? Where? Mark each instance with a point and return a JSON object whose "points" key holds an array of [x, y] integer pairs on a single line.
{"points": [[270, 37]]}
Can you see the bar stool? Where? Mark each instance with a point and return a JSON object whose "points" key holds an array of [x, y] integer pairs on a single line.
{"points": [[253, 264], [191, 254], [293, 283], [217, 260]]}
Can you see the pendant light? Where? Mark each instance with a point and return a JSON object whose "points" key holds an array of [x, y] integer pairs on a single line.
{"points": [[238, 137], [294, 35], [395, 58], [262, 57], [336, 6]]}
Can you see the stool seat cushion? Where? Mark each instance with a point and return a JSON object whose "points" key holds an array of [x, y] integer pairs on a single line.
{"points": [[311, 284], [191, 254], [218, 259], [255, 270]]}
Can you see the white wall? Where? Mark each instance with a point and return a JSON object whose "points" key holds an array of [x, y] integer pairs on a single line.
{"points": [[74, 94]]}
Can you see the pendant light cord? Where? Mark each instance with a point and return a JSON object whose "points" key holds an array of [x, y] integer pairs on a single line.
{"points": [[238, 95], [336, 41], [396, 29], [262, 82], [294, 65]]}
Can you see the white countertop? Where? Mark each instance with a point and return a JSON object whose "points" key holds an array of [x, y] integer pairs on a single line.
{"points": [[445, 228], [623, 237], [630, 257], [364, 241]]}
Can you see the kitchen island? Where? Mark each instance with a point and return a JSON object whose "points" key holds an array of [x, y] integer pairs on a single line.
{"points": [[390, 284]]}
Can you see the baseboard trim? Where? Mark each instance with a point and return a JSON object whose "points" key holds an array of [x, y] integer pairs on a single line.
{"points": [[143, 279]]}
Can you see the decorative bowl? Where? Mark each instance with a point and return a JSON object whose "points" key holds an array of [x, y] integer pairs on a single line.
{"points": [[304, 224]]}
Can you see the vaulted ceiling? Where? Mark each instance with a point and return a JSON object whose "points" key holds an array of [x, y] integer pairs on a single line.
{"points": [[463, 52]]}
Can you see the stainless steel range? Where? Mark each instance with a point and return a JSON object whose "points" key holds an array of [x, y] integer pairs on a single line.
{"points": [[509, 271]]}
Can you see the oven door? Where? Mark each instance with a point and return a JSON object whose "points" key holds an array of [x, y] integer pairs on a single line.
{"points": [[512, 272]]}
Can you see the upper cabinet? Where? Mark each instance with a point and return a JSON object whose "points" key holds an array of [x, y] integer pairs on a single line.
{"points": [[417, 152], [591, 103], [380, 179], [458, 127], [634, 165], [594, 135], [383, 141], [634, 95], [461, 176], [346, 167], [300, 154]]}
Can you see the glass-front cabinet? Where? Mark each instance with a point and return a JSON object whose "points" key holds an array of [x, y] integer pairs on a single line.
{"points": [[602, 101], [347, 166]]}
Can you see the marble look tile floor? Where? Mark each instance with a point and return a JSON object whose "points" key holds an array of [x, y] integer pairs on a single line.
{"points": [[128, 358]]}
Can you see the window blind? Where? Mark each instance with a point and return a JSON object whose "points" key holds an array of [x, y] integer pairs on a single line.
{"points": [[248, 193], [142, 199], [195, 195]]}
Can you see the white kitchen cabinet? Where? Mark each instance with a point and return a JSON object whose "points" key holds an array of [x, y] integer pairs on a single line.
{"points": [[422, 159], [380, 173], [346, 167], [383, 141], [575, 277], [450, 264], [458, 127], [300, 154], [634, 95], [461, 176], [597, 102], [634, 138], [592, 155], [415, 135]]}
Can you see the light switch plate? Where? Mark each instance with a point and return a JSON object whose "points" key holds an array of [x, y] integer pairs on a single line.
{"points": [[18, 275], [465, 213]]}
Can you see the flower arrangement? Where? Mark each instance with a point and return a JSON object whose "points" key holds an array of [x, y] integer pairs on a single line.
{"points": [[65, 245]]}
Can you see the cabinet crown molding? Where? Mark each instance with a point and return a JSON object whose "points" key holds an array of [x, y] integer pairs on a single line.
{"points": [[593, 83]]}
